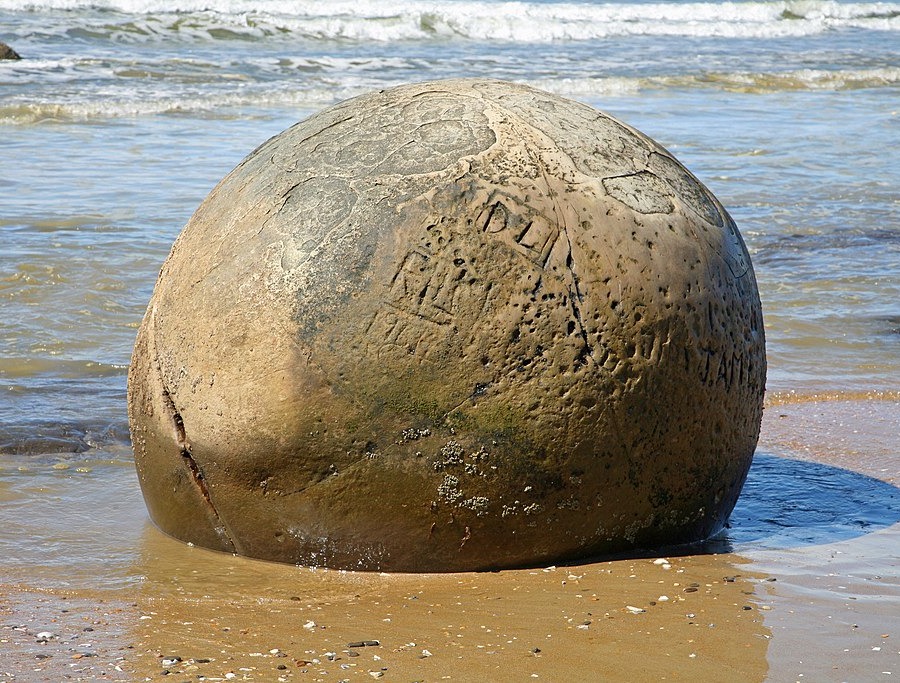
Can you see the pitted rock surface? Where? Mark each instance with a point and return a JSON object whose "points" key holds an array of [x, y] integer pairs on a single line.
{"points": [[450, 326]]}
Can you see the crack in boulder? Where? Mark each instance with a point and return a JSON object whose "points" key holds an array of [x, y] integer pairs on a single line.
{"points": [[193, 467]]}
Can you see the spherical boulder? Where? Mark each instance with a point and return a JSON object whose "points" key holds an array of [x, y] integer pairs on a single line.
{"points": [[450, 326]]}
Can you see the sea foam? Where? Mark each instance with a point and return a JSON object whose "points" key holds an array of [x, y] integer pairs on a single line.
{"points": [[528, 22]]}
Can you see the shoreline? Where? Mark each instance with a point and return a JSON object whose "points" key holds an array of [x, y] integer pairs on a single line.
{"points": [[824, 608]]}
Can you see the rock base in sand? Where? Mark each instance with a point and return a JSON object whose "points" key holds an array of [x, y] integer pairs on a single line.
{"points": [[450, 326]]}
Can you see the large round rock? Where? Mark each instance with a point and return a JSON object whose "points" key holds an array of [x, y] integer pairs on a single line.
{"points": [[450, 326]]}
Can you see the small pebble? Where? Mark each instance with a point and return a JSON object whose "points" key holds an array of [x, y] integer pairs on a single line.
{"points": [[634, 610]]}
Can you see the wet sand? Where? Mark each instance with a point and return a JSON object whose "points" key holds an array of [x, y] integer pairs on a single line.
{"points": [[95, 592]]}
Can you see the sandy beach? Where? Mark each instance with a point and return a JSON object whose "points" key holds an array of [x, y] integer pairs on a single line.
{"points": [[825, 608]]}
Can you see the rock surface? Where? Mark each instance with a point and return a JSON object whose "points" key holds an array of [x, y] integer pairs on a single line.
{"points": [[450, 326], [6, 52]]}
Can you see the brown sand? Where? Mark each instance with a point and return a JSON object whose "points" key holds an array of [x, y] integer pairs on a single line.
{"points": [[177, 613]]}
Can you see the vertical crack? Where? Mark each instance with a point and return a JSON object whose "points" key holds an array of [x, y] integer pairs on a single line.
{"points": [[576, 296], [197, 475]]}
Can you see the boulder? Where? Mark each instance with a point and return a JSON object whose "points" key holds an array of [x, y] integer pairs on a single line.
{"points": [[456, 325], [6, 52]]}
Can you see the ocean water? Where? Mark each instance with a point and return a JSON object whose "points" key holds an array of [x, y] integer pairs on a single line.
{"points": [[123, 114]]}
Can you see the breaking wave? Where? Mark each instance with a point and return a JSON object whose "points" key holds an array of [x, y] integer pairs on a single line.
{"points": [[516, 22]]}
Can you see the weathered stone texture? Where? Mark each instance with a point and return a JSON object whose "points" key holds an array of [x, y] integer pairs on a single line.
{"points": [[450, 326]]}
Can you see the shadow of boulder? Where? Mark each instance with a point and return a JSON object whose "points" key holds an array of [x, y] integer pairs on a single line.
{"points": [[788, 503]]}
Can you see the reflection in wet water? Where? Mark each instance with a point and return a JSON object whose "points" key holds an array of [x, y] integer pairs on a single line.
{"points": [[639, 619]]}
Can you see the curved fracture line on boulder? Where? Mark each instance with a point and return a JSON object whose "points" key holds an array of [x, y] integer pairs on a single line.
{"points": [[193, 466], [181, 440]]}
